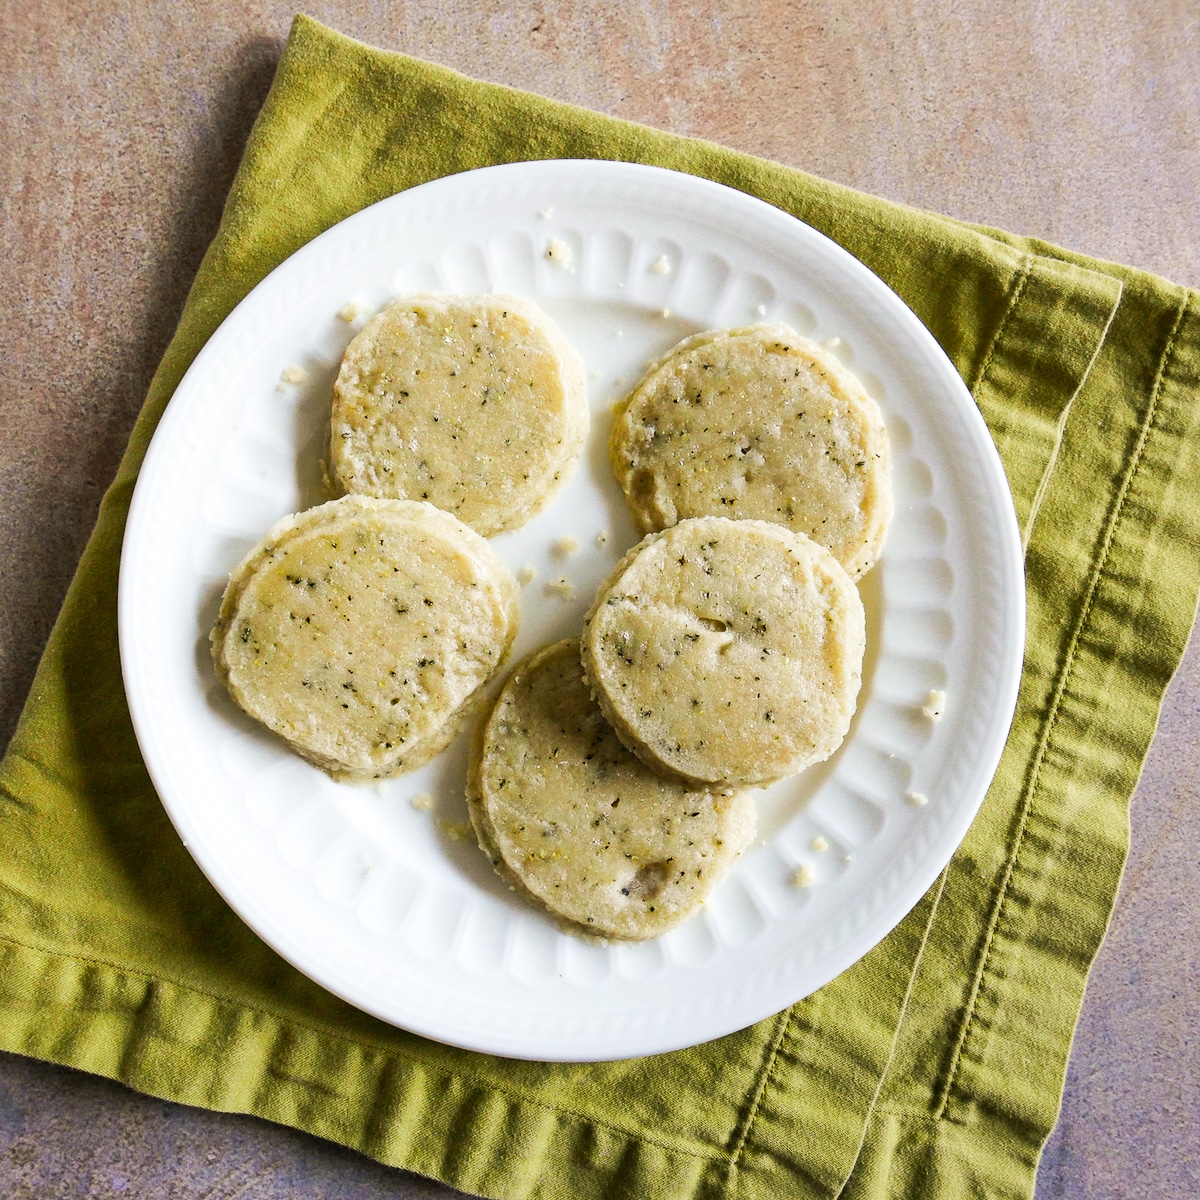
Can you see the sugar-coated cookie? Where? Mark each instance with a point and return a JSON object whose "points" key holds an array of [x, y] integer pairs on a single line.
{"points": [[477, 404], [727, 651], [359, 630], [757, 423], [579, 824]]}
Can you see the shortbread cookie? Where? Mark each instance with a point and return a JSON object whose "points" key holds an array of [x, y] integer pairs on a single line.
{"points": [[575, 821], [757, 423], [359, 630], [477, 404], [727, 651]]}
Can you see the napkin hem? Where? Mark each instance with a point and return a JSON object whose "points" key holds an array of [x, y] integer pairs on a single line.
{"points": [[1040, 356], [170, 1039], [215, 1076], [1063, 687], [1002, 1084], [821, 1054]]}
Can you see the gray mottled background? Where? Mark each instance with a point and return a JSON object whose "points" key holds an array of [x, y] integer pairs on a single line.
{"points": [[120, 130]]}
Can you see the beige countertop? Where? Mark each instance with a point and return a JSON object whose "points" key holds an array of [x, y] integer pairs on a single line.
{"points": [[121, 129]]}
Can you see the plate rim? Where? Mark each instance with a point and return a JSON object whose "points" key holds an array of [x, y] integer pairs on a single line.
{"points": [[139, 516]]}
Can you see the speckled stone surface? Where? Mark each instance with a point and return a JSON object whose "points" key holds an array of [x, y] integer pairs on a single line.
{"points": [[120, 129]]}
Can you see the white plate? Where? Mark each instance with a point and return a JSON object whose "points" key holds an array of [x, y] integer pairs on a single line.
{"points": [[380, 902]]}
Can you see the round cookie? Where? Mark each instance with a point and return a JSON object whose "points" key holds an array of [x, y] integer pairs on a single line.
{"points": [[579, 824], [727, 651], [359, 630], [757, 423], [477, 404]]}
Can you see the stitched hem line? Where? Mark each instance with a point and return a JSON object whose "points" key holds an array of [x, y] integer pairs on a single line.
{"points": [[1014, 299], [875, 1107], [1043, 486], [717, 1154], [760, 1090], [1060, 690]]}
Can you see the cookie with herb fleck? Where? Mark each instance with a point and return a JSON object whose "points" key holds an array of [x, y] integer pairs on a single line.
{"points": [[359, 632], [757, 423], [727, 651], [477, 404], [581, 826]]}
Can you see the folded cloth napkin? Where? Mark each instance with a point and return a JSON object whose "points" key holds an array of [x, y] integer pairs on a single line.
{"points": [[934, 1066]]}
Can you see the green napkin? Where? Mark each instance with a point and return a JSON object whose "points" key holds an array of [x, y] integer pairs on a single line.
{"points": [[933, 1067]]}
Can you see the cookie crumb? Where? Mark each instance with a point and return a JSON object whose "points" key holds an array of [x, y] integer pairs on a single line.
{"points": [[565, 547], [819, 844], [526, 575], [561, 587], [934, 706], [559, 253], [458, 831], [666, 312], [293, 374], [803, 876], [917, 799], [602, 538], [422, 802], [761, 309], [350, 311], [661, 265]]}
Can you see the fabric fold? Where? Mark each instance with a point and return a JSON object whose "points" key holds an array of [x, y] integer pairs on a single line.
{"points": [[119, 957], [1053, 327], [982, 1049]]}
